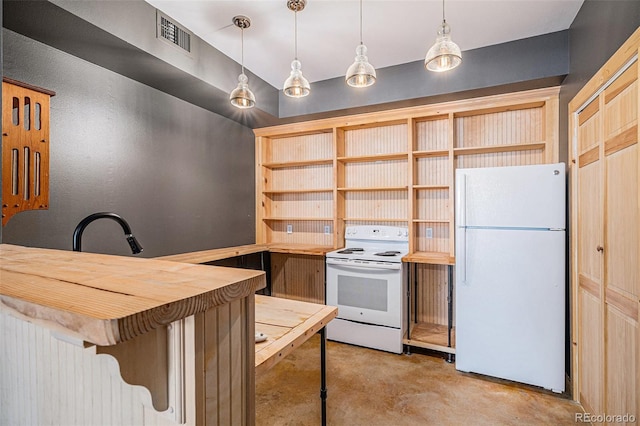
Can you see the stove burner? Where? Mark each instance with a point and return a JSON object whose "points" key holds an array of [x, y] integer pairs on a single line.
{"points": [[351, 250], [388, 253]]}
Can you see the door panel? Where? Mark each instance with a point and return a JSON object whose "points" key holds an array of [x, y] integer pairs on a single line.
{"points": [[622, 222], [590, 352], [622, 363]]}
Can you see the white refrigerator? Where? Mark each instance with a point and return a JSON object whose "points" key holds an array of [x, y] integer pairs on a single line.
{"points": [[510, 273]]}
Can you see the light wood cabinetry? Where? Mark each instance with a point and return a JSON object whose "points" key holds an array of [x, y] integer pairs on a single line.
{"points": [[606, 237], [395, 168]]}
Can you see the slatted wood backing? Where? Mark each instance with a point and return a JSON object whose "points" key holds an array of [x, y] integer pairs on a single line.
{"points": [[380, 205], [432, 294], [501, 159], [306, 204], [439, 241], [432, 171], [432, 135], [303, 232], [501, 128], [298, 277], [309, 177], [227, 388], [621, 363], [49, 381], [376, 174], [432, 204], [300, 147], [375, 140]]}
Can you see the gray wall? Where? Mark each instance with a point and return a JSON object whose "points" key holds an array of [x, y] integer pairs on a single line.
{"points": [[182, 176]]}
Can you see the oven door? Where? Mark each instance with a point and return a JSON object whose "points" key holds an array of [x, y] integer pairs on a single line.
{"points": [[366, 292]]}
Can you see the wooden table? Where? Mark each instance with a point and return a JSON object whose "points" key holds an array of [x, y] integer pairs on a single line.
{"points": [[288, 324]]}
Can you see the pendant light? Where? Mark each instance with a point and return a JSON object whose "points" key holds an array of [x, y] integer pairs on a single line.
{"points": [[444, 55], [361, 73], [242, 97], [296, 86]]}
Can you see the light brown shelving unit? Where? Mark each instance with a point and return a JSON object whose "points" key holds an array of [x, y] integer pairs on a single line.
{"points": [[397, 168]]}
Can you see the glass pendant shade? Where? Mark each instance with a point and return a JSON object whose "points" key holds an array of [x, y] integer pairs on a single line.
{"points": [[242, 97], [296, 86], [361, 73], [444, 55]]}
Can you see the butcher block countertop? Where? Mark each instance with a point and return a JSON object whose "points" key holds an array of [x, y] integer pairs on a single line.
{"points": [[212, 255], [105, 299]]}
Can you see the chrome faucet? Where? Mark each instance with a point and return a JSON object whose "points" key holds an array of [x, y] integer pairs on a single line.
{"points": [[77, 234]]}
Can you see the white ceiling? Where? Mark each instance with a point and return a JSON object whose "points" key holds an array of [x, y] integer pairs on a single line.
{"points": [[394, 31]]}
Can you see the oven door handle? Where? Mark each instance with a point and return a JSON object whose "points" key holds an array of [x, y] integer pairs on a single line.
{"points": [[372, 265]]}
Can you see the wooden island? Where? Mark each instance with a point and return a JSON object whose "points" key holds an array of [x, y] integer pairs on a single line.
{"points": [[99, 339]]}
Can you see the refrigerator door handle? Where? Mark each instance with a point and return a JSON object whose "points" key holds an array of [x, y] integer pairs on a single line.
{"points": [[461, 193]]}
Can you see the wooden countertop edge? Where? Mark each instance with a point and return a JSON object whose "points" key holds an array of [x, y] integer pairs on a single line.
{"points": [[269, 356], [205, 256], [22, 293]]}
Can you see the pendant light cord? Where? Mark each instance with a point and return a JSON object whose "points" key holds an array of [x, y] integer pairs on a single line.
{"points": [[360, 21], [295, 26], [242, 49], [443, 20]]}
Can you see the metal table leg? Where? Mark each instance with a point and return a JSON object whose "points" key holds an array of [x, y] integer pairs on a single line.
{"points": [[323, 374], [449, 308]]}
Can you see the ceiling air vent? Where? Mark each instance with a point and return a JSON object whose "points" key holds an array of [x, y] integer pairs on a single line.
{"points": [[172, 33]]}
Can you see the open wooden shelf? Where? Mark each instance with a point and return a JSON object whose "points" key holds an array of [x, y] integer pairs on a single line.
{"points": [[431, 221], [376, 188], [287, 164], [430, 336], [435, 258], [297, 191], [498, 148], [433, 153], [427, 187], [376, 157], [321, 219], [373, 219]]}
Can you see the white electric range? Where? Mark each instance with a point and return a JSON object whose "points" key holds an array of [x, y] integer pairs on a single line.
{"points": [[367, 281]]}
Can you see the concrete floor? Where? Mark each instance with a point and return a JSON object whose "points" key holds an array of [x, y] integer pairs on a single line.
{"points": [[369, 387]]}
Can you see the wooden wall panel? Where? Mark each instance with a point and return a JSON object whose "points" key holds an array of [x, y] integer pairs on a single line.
{"points": [[307, 204], [622, 365], [375, 140], [591, 353], [375, 174], [589, 133], [317, 146], [432, 294], [500, 128], [623, 223], [376, 204], [432, 171], [49, 381], [304, 232], [589, 223], [376, 222], [501, 159], [432, 204], [298, 277], [621, 111], [296, 178], [432, 135], [440, 240]]}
